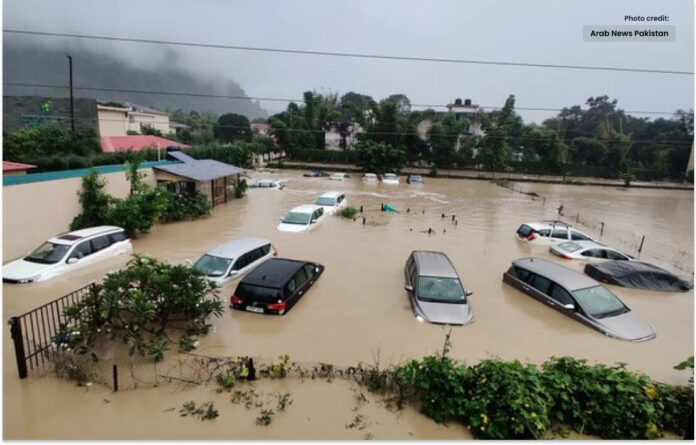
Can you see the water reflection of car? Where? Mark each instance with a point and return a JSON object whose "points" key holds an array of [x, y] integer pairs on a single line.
{"points": [[390, 178], [67, 252], [637, 275], [232, 260], [579, 297], [370, 177], [339, 176], [267, 183], [434, 289], [332, 202], [414, 179], [545, 233], [301, 218], [315, 174], [587, 250], [275, 286]]}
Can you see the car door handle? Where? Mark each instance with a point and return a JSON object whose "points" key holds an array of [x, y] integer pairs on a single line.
{"points": [[550, 302], [525, 288]]}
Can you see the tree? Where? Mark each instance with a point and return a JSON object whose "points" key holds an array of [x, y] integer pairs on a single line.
{"points": [[444, 140], [232, 127], [95, 202], [379, 157]]}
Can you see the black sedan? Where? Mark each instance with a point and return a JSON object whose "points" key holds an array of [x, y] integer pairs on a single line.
{"points": [[275, 286], [315, 174]]}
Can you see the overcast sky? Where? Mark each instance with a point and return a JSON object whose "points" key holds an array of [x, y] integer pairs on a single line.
{"points": [[537, 31]]}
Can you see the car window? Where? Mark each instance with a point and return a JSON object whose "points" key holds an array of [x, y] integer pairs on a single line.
{"points": [[561, 295], [265, 249], [81, 250], [310, 270], [320, 212], [577, 236], [544, 232], [291, 286], [523, 274], [614, 255], [118, 237], [540, 283], [595, 253], [300, 277], [100, 242], [560, 233], [242, 262]]}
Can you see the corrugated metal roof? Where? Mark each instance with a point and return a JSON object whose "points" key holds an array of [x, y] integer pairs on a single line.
{"points": [[201, 170], [8, 166], [179, 156]]}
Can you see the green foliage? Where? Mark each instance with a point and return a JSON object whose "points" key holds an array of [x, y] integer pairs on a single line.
{"points": [[241, 188], [348, 212], [138, 212], [443, 139], [379, 157], [181, 206], [206, 411], [232, 127], [627, 178], [95, 202], [138, 304], [238, 153], [278, 370], [265, 418], [150, 130], [327, 156], [31, 144]]}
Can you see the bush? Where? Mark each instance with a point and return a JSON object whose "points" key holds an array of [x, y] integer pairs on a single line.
{"points": [[139, 212], [240, 189], [95, 202], [326, 156], [182, 206], [348, 212]]}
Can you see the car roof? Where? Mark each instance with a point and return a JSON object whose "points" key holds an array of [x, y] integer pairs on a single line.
{"points": [[568, 278], [331, 195], [340, 173], [369, 174], [305, 208], [236, 247], [77, 235], [390, 174], [273, 273], [586, 244], [434, 264]]}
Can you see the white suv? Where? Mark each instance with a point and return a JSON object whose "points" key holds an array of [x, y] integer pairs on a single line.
{"points": [[546, 233], [67, 252], [301, 218], [230, 261], [332, 202]]}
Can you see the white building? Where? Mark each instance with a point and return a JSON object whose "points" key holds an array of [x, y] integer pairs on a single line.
{"points": [[334, 140], [118, 121]]}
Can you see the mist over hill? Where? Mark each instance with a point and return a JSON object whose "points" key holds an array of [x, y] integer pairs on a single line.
{"points": [[49, 65]]}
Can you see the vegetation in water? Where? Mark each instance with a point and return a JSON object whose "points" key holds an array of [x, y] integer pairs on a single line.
{"points": [[348, 212]]}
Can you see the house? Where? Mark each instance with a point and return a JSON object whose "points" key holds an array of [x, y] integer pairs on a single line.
{"points": [[112, 144], [214, 179], [15, 168], [336, 139], [469, 111], [260, 128], [118, 119], [177, 127]]}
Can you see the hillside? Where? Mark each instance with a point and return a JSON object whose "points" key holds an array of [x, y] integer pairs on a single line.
{"points": [[29, 64]]}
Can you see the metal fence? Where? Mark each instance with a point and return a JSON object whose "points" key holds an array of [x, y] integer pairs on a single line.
{"points": [[33, 333]]}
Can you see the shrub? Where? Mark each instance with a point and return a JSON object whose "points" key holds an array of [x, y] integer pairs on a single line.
{"points": [[137, 213], [240, 188], [95, 202], [348, 212], [137, 305], [182, 206]]}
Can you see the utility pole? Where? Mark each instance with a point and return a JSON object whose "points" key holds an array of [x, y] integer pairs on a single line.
{"points": [[72, 102]]}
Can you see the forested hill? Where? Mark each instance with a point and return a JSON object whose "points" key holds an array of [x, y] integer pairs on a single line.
{"points": [[33, 64]]}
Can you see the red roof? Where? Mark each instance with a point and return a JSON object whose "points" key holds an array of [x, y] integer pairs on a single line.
{"points": [[112, 144], [8, 166]]}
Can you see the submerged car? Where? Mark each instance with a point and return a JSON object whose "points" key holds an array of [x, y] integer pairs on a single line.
{"points": [[232, 260], [301, 218], [390, 178], [434, 289], [638, 275], [315, 174], [275, 286], [545, 233], [67, 252], [266, 183], [414, 179], [588, 251], [332, 202], [370, 177], [339, 176], [579, 297]]}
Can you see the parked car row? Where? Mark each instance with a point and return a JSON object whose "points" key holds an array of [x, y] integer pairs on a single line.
{"points": [[304, 217], [387, 178]]}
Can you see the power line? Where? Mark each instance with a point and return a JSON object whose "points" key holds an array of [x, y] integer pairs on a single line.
{"points": [[279, 99], [344, 54], [380, 133]]}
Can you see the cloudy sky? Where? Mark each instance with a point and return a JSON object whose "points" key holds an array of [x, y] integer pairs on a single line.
{"points": [[536, 31]]}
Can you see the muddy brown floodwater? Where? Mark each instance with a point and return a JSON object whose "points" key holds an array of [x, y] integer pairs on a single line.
{"points": [[358, 309]]}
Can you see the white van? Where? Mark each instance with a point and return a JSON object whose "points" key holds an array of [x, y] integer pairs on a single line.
{"points": [[232, 260]]}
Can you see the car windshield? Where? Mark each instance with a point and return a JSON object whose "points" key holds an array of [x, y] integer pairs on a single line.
{"points": [[48, 253], [296, 218], [325, 201], [447, 290], [212, 266], [599, 302], [389, 176], [569, 247]]}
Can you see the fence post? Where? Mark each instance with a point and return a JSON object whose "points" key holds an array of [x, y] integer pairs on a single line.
{"points": [[577, 218], [601, 230], [641, 244], [115, 378], [16, 332]]}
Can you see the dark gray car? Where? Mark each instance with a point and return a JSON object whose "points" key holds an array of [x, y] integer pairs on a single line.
{"points": [[578, 296], [435, 291]]}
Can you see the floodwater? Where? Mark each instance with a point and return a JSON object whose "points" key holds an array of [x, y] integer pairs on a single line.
{"points": [[358, 309]]}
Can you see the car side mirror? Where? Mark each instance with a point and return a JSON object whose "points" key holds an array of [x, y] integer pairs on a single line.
{"points": [[73, 260], [281, 219], [232, 273], [316, 269], [408, 288], [469, 293], [313, 221], [569, 307]]}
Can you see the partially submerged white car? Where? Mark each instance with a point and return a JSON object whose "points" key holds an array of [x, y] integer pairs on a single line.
{"points": [[587, 250], [232, 260], [390, 178], [546, 233], [267, 183], [67, 252], [370, 177], [332, 202], [339, 177], [301, 218]]}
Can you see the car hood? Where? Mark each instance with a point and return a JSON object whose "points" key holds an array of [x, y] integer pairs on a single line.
{"points": [[20, 269], [628, 326], [283, 227], [444, 313]]}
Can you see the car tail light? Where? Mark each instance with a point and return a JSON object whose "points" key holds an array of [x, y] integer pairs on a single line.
{"points": [[565, 257], [280, 306], [275, 251], [531, 237], [236, 300]]}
